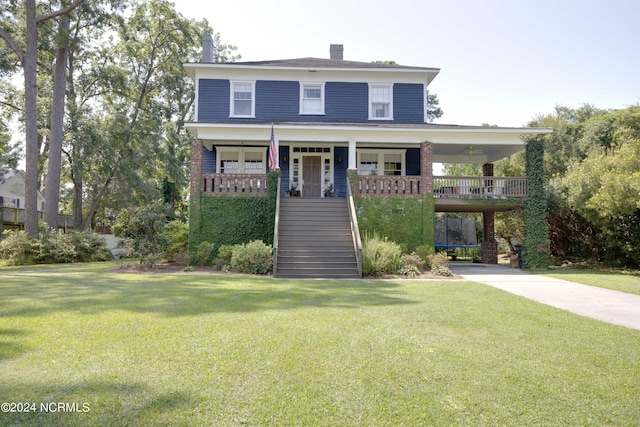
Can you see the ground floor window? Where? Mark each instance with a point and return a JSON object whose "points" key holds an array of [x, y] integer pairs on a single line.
{"points": [[241, 160], [376, 162]]}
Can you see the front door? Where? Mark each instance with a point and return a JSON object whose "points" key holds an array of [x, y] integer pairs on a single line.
{"points": [[311, 174]]}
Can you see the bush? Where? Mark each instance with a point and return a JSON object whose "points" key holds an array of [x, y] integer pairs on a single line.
{"points": [[56, 248], [254, 257], [380, 256], [144, 226], [178, 234], [204, 253], [423, 251], [413, 260], [225, 252], [90, 247], [18, 248], [410, 270], [439, 263]]}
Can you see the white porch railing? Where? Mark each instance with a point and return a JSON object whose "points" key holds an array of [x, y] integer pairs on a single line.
{"points": [[480, 187]]}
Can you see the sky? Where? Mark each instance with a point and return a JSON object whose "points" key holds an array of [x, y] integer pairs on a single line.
{"points": [[501, 62]]}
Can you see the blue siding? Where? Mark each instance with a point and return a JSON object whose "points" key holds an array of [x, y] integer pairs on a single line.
{"points": [[213, 100], [280, 101], [413, 161], [346, 102], [340, 170], [277, 100], [408, 103], [208, 160]]}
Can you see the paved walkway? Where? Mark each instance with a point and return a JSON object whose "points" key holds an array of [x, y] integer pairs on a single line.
{"points": [[615, 307]]}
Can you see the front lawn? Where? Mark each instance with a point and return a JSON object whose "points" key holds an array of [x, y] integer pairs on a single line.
{"points": [[203, 349], [618, 281]]}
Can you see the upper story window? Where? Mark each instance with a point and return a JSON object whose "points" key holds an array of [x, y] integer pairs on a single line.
{"points": [[243, 99], [380, 102], [311, 98]]}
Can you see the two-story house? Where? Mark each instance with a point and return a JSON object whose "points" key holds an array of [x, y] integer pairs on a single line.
{"points": [[337, 123]]}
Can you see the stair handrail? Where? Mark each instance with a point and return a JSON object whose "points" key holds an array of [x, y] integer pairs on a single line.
{"points": [[355, 231], [275, 228]]}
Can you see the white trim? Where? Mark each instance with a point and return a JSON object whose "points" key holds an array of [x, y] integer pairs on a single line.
{"points": [[232, 84], [322, 98], [372, 86], [197, 100]]}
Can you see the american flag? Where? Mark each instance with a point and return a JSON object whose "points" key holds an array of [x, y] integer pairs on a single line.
{"points": [[273, 156]]}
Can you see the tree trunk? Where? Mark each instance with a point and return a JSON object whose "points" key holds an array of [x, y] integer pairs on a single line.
{"points": [[31, 120], [52, 184]]}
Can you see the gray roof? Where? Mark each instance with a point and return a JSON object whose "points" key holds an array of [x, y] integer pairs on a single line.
{"points": [[6, 174], [328, 63]]}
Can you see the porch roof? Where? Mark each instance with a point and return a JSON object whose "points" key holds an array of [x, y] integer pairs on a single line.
{"points": [[451, 143]]}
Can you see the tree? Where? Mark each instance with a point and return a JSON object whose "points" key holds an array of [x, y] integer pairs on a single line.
{"points": [[28, 58], [130, 99]]}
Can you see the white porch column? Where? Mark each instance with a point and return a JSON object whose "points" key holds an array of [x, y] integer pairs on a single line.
{"points": [[352, 155]]}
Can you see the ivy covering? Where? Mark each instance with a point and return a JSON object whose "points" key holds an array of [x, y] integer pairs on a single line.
{"points": [[535, 245]]}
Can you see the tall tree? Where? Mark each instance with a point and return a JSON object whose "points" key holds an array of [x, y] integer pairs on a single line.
{"points": [[28, 59]]}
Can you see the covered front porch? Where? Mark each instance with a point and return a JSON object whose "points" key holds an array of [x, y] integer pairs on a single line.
{"points": [[379, 162]]}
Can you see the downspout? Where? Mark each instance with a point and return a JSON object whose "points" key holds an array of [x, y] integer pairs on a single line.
{"points": [[275, 229]]}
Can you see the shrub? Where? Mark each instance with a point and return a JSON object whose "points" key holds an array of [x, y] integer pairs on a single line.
{"points": [[17, 248], [90, 247], [144, 226], [254, 257], [413, 260], [225, 252], [380, 256], [441, 270], [178, 234], [439, 263], [423, 251], [410, 270], [56, 248], [204, 253]]}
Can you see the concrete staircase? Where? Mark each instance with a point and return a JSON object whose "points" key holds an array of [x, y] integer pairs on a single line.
{"points": [[314, 239]]}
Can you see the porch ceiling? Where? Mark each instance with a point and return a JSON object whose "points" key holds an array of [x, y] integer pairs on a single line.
{"points": [[451, 144]]}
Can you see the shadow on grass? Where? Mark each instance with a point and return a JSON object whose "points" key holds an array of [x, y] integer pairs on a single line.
{"points": [[92, 288], [10, 343], [89, 403]]}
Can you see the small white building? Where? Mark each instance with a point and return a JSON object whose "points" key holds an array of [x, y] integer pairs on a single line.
{"points": [[12, 190]]}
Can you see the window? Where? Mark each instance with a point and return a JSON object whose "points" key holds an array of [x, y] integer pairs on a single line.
{"points": [[311, 98], [242, 99], [386, 162], [380, 102], [242, 160], [393, 164], [368, 164], [253, 162], [229, 162]]}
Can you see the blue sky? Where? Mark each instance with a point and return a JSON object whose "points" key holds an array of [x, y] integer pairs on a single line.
{"points": [[502, 62]]}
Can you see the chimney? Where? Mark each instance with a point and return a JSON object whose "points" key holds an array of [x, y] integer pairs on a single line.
{"points": [[207, 48], [336, 51]]}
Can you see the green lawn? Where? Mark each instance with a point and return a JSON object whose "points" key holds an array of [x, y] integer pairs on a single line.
{"points": [[198, 349], [624, 282]]}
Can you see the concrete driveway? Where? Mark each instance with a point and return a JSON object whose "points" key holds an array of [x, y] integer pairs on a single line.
{"points": [[618, 308]]}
